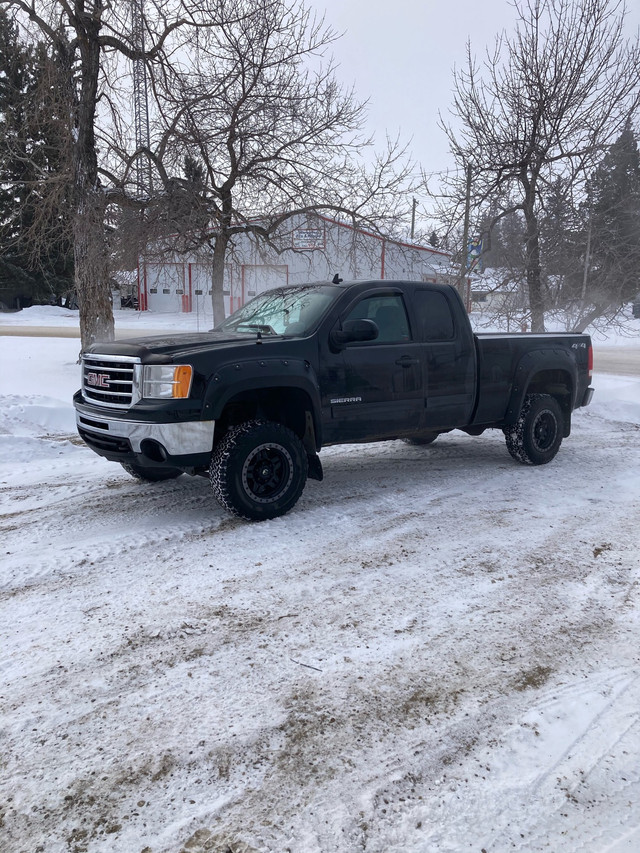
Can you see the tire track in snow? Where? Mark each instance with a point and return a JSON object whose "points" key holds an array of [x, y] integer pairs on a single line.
{"points": [[84, 527], [597, 728]]}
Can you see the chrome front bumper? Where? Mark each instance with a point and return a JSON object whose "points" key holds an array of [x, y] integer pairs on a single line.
{"points": [[178, 439]]}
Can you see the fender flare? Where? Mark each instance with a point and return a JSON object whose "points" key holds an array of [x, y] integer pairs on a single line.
{"points": [[535, 362], [266, 374]]}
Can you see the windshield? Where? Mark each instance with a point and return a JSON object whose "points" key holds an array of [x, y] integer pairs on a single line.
{"points": [[289, 311]]}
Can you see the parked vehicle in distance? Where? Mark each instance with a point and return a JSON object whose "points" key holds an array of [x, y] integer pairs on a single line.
{"points": [[129, 300], [251, 403]]}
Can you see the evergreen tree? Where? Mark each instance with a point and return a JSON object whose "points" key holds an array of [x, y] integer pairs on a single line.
{"points": [[562, 243], [614, 212], [504, 247], [35, 251]]}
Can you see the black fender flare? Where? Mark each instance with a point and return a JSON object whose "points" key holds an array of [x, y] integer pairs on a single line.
{"points": [[263, 374], [535, 362]]}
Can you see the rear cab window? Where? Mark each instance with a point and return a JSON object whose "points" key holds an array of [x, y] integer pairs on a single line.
{"points": [[434, 316]]}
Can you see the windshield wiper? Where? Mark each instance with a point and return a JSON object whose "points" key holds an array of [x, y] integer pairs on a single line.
{"points": [[258, 327]]}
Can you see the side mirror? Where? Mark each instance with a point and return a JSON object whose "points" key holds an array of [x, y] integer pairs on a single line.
{"points": [[354, 331]]}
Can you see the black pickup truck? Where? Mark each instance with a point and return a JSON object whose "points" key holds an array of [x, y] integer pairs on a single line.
{"points": [[251, 403]]}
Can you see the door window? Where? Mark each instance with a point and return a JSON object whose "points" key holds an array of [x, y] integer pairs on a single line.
{"points": [[389, 315]]}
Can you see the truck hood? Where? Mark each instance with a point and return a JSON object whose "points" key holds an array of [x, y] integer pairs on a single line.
{"points": [[167, 349]]}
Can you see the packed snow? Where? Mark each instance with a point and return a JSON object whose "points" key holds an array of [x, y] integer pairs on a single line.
{"points": [[436, 650]]}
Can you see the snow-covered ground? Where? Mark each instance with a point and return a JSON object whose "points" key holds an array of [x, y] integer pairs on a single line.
{"points": [[437, 650]]}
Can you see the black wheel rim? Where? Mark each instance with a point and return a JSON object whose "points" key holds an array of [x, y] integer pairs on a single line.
{"points": [[267, 473], [545, 430]]}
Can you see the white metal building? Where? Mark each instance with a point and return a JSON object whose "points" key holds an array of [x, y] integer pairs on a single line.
{"points": [[312, 249]]}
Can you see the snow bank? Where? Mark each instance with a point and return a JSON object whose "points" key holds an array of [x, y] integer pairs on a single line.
{"points": [[617, 398], [125, 318], [35, 415], [40, 315]]}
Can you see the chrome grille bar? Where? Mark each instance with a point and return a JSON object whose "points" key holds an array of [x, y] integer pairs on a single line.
{"points": [[111, 380]]}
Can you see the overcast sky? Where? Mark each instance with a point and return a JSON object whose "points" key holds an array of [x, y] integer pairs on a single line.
{"points": [[400, 56]]}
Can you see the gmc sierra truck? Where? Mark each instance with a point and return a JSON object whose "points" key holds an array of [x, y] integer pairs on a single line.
{"points": [[251, 403]]}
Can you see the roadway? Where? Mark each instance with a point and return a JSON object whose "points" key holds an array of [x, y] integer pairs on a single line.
{"points": [[67, 332]]}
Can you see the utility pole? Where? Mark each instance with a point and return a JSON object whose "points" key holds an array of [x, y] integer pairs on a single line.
{"points": [[413, 218], [465, 241], [587, 259]]}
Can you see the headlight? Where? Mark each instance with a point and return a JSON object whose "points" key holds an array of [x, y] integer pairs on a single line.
{"points": [[166, 381]]}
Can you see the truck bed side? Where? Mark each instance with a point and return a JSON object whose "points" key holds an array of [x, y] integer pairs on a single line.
{"points": [[512, 365]]}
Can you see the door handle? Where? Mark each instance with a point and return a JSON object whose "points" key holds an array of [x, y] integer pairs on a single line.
{"points": [[407, 361]]}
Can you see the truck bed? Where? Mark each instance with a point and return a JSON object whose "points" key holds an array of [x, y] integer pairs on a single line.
{"points": [[500, 367]]}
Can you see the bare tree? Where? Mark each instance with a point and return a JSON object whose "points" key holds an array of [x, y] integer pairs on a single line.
{"points": [[91, 40], [275, 134], [545, 104], [237, 85]]}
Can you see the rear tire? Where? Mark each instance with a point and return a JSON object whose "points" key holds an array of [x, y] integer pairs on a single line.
{"points": [[150, 475], [258, 470], [537, 435]]}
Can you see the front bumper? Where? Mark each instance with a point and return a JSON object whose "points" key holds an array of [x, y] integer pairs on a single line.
{"points": [[183, 444]]}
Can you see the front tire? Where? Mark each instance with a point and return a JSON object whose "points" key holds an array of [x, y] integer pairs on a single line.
{"points": [[150, 475], [537, 435], [258, 470]]}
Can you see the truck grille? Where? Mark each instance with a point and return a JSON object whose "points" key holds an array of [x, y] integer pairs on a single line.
{"points": [[110, 380]]}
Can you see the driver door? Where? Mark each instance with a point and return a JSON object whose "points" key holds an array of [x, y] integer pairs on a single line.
{"points": [[377, 390]]}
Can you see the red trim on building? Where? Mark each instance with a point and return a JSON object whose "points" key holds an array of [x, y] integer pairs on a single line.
{"points": [[324, 218], [187, 292], [143, 300], [430, 249]]}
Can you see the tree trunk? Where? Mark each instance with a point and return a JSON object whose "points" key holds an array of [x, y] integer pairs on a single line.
{"points": [[220, 252], [533, 265], [586, 319], [92, 270], [217, 276], [90, 249]]}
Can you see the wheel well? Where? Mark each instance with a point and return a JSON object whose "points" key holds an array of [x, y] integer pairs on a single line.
{"points": [[291, 407], [558, 384]]}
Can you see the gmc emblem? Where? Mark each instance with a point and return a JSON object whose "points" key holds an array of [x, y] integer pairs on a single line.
{"points": [[98, 380]]}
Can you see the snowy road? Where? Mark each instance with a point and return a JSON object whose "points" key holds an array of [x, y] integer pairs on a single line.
{"points": [[620, 361], [67, 331], [438, 650]]}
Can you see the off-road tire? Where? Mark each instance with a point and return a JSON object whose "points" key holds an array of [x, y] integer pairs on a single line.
{"points": [[258, 470], [421, 440], [150, 475], [536, 436]]}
